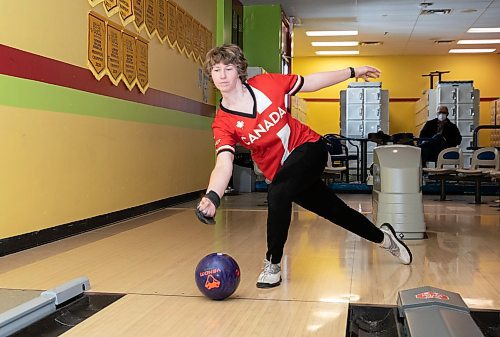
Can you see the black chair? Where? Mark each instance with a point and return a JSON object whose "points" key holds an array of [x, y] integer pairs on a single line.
{"points": [[339, 153]]}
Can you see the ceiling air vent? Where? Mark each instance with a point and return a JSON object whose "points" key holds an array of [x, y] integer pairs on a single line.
{"points": [[444, 41], [435, 11], [370, 43]]}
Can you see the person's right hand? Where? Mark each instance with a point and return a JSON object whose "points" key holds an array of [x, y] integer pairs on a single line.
{"points": [[206, 207], [366, 72]]}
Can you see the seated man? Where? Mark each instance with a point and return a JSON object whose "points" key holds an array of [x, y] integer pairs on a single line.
{"points": [[438, 134]]}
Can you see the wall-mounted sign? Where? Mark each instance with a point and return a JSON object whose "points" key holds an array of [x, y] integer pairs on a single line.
{"points": [[114, 53], [129, 60], [96, 45], [142, 64]]}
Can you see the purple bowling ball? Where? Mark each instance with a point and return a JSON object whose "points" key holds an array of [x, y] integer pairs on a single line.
{"points": [[217, 276]]}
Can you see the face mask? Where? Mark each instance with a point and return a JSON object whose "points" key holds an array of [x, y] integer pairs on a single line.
{"points": [[441, 117]]}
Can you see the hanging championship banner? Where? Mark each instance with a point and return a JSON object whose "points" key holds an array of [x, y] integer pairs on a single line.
{"points": [[129, 60], [96, 45], [150, 10], [188, 34], [126, 11], [196, 40], [161, 20], [180, 28], [171, 23], [203, 41], [111, 7], [142, 64], [114, 53], [209, 40], [138, 9], [94, 3]]}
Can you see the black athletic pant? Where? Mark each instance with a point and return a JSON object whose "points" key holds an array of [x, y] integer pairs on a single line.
{"points": [[299, 180], [431, 148]]}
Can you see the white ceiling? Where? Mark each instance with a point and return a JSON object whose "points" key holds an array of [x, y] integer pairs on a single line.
{"points": [[396, 23]]}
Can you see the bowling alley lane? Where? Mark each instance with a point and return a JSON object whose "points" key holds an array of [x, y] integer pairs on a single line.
{"points": [[139, 315]]}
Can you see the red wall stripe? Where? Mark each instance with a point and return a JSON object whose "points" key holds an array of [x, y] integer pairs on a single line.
{"points": [[18, 63], [396, 99]]}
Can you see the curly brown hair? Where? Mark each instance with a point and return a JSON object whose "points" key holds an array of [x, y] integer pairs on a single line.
{"points": [[227, 54]]}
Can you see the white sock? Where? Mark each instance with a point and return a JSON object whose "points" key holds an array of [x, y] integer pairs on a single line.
{"points": [[386, 243]]}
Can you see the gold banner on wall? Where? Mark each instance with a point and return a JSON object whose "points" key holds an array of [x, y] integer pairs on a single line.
{"points": [[138, 9], [171, 23], [150, 10], [188, 37], [111, 7], [209, 41], [114, 53], [161, 20], [203, 40], [94, 3], [126, 11], [142, 64], [196, 40], [180, 29], [96, 45], [129, 60]]}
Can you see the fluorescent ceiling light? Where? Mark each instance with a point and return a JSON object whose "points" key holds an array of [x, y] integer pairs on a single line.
{"points": [[335, 44], [478, 41], [465, 51], [484, 30], [337, 52], [332, 33]]}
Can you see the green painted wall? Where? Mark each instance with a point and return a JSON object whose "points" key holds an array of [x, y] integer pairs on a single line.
{"points": [[224, 16], [262, 36]]}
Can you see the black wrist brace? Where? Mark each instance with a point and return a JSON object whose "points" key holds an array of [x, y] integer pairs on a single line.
{"points": [[353, 73], [214, 198]]}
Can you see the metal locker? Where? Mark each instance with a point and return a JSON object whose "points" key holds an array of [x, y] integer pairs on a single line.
{"points": [[364, 109], [466, 142], [370, 146], [370, 127], [372, 111], [446, 94], [466, 127], [373, 95], [355, 128], [465, 93], [354, 95], [369, 159], [465, 111], [351, 148], [354, 111]]}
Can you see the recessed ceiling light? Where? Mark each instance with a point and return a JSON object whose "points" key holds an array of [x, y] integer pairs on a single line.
{"points": [[478, 41], [467, 51], [484, 30], [335, 44], [332, 33], [337, 52]]}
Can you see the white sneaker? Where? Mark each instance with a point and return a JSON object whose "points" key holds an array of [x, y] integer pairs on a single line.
{"points": [[397, 247], [270, 275]]}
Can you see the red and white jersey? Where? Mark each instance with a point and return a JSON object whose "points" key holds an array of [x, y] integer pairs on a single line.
{"points": [[270, 133]]}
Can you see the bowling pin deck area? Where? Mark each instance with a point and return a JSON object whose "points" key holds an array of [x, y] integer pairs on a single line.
{"points": [[151, 261]]}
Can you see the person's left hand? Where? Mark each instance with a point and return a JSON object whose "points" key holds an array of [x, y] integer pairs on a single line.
{"points": [[366, 72]]}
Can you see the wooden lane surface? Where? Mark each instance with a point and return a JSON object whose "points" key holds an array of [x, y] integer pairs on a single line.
{"points": [[153, 259], [139, 315]]}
